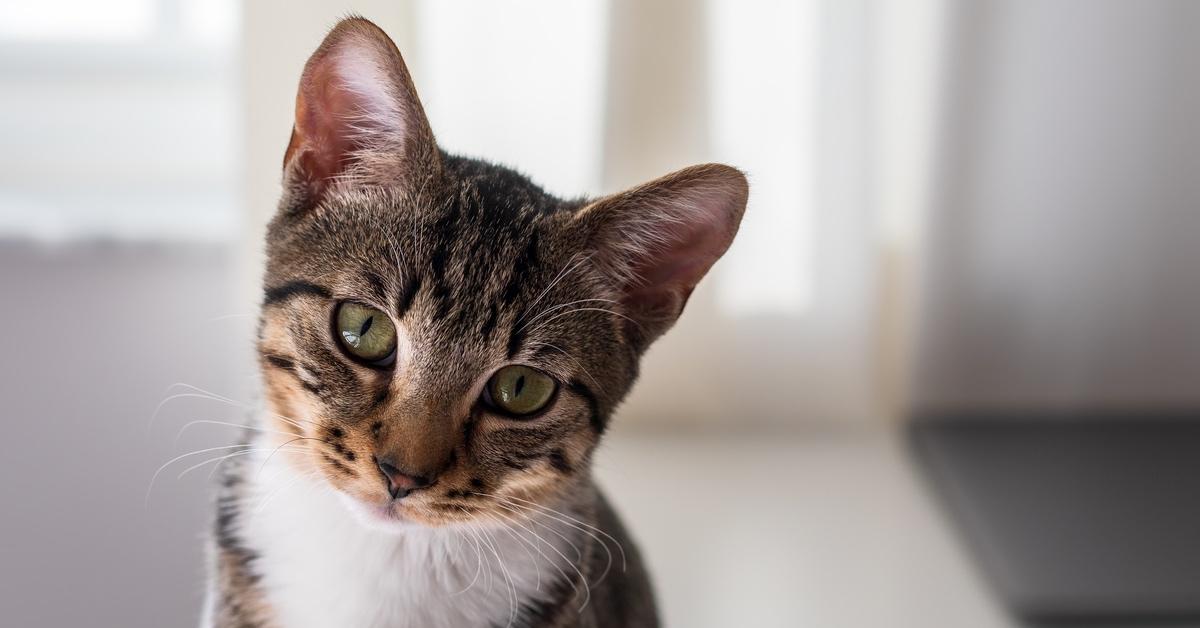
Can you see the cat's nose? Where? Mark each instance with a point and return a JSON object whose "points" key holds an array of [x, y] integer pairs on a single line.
{"points": [[400, 483]]}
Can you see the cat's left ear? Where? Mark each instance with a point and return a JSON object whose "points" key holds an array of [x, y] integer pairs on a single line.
{"points": [[358, 118], [658, 240]]}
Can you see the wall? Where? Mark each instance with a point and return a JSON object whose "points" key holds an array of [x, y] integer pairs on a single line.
{"points": [[1061, 267], [99, 335]]}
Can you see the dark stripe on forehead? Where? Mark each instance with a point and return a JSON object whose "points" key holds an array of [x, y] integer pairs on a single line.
{"points": [[598, 422], [489, 325], [444, 231], [441, 294], [518, 274], [291, 289], [406, 298]]}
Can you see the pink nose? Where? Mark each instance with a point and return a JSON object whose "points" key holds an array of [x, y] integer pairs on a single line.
{"points": [[400, 484]]}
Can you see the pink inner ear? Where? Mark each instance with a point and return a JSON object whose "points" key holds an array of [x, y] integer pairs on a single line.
{"points": [[683, 261], [685, 247], [659, 239], [346, 101], [323, 135]]}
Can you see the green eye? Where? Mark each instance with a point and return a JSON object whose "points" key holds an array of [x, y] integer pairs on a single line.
{"points": [[366, 333], [519, 390]]}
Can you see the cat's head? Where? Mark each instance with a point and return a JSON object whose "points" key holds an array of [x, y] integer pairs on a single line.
{"points": [[441, 340]]}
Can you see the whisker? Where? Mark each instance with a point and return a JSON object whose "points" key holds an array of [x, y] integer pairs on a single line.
{"points": [[478, 559], [487, 558], [569, 519], [516, 520], [543, 324], [397, 253], [228, 424], [218, 460], [189, 454], [587, 590], [505, 525], [567, 269], [195, 392], [458, 558], [561, 306], [186, 395], [290, 421], [226, 317], [262, 504], [489, 542], [508, 579], [276, 450]]}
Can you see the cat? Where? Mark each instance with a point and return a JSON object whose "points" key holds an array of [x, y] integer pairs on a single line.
{"points": [[442, 344]]}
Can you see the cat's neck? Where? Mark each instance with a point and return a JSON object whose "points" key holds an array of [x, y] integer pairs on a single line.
{"points": [[322, 566]]}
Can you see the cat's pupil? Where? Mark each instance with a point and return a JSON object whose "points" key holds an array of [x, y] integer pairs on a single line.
{"points": [[366, 326], [520, 385]]}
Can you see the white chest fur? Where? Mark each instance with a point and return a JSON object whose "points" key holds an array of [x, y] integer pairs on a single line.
{"points": [[321, 566]]}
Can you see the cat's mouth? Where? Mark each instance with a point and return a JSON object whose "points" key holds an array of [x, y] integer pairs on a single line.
{"points": [[398, 515], [391, 514]]}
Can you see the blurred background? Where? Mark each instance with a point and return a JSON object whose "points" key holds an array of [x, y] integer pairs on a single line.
{"points": [[948, 374]]}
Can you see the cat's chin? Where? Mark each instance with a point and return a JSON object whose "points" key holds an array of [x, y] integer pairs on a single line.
{"points": [[385, 518]]}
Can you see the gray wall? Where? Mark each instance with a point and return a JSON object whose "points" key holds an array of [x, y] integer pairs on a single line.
{"points": [[1063, 265], [94, 336]]}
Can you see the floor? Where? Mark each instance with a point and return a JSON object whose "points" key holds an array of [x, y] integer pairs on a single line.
{"points": [[831, 529], [827, 527], [1079, 517]]}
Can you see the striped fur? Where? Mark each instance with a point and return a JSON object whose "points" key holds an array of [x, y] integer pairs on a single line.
{"points": [[478, 268]]}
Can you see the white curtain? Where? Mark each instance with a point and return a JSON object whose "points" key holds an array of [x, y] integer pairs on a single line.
{"points": [[111, 112]]}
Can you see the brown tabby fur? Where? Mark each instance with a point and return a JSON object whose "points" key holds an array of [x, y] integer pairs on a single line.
{"points": [[478, 267]]}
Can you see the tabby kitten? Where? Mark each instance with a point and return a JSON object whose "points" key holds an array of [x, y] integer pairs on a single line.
{"points": [[442, 344]]}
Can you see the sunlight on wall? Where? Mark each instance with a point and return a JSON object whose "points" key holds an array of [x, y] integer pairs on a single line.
{"points": [[762, 89], [538, 106], [210, 21]]}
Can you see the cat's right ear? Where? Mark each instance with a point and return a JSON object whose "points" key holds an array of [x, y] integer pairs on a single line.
{"points": [[358, 118]]}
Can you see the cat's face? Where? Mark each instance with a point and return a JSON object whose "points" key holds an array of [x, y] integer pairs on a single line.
{"points": [[458, 287], [441, 340]]}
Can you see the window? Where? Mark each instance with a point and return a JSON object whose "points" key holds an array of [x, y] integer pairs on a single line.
{"points": [[119, 119], [538, 107], [762, 59]]}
